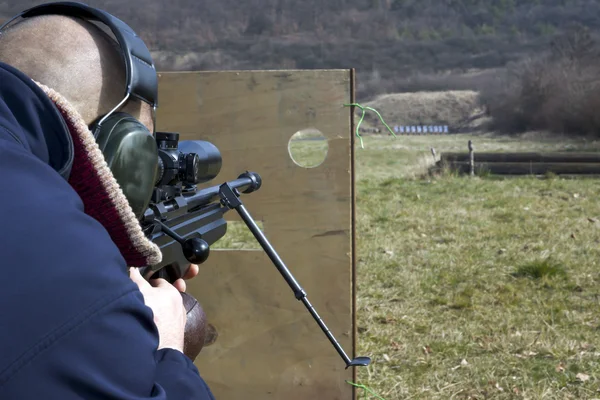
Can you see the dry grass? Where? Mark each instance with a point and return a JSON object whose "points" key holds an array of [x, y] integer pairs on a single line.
{"points": [[308, 148], [410, 156], [476, 288]]}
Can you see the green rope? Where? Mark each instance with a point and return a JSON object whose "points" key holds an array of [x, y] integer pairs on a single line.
{"points": [[366, 389], [362, 117]]}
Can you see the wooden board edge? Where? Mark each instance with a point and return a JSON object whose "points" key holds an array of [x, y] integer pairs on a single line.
{"points": [[228, 71], [353, 223]]}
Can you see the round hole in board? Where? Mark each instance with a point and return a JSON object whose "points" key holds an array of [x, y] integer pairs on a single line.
{"points": [[308, 148]]}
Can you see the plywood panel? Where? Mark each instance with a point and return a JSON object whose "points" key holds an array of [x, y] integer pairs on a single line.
{"points": [[268, 345]]}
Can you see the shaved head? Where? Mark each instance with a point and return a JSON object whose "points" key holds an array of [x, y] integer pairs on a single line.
{"points": [[75, 58]]}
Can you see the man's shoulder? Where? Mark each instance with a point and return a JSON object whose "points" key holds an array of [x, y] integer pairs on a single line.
{"points": [[58, 263]]}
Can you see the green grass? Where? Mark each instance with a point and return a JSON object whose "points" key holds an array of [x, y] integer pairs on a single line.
{"points": [[539, 269], [308, 153], [473, 288], [238, 237]]}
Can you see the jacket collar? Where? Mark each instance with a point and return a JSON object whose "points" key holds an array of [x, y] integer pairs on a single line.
{"points": [[43, 129]]}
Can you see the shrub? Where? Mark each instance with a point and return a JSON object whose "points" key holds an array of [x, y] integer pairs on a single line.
{"points": [[558, 91]]}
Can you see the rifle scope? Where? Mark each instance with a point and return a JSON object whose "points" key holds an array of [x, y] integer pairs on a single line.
{"points": [[190, 161], [183, 164]]}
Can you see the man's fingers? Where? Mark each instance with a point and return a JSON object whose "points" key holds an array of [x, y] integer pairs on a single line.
{"points": [[192, 271], [180, 285], [159, 282]]}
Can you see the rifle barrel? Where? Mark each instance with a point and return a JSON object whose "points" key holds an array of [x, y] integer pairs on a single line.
{"points": [[246, 183]]}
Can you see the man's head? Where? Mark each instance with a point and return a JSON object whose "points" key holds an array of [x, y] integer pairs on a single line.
{"points": [[75, 58], [80, 69]]}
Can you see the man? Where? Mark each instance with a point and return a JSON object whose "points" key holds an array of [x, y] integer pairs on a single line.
{"points": [[74, 324]]}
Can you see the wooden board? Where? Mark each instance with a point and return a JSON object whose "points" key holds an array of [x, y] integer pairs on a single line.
{"points": [[528, 168], [562, 157], [268, 346]]}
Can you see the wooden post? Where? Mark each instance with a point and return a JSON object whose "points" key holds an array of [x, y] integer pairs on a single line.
{"points": [[471, 158], [433, 154]]}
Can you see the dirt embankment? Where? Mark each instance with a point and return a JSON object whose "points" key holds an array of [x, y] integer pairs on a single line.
{"points": [[459, 110]]}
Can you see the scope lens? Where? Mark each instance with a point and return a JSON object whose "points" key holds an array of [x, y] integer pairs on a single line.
{"points": [[201, 162], [189, 168]]}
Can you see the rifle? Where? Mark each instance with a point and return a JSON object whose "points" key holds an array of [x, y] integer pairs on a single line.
{"points": [[185, 221]]}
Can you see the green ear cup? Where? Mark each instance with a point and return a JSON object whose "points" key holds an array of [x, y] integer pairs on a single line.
{"points": [[132, 155]]}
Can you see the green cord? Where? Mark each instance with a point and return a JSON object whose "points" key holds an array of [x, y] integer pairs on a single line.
{"points": [[362, 117], [366, 389]]}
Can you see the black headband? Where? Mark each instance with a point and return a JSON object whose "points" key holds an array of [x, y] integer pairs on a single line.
{"points": [[142, 80]]}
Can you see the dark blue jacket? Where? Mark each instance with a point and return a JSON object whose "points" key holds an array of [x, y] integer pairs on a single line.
{"points": [[72, 323]]}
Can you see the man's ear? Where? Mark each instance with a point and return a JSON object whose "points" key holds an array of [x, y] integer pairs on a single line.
{"points": [[141, 111]]}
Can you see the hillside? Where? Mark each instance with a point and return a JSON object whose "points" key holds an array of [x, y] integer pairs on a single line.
{"points": [[453, 108], [383, 39]]}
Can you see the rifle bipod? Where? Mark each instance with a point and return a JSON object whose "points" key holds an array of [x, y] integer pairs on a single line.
{"points": [[230, 199]]}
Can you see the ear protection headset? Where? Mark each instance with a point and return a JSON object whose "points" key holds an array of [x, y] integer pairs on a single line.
{"points": [[128, 146]]}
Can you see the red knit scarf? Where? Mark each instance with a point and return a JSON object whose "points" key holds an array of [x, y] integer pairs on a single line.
{"points": [[102, 196]]}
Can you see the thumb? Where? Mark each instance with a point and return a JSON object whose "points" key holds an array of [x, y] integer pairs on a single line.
{"points": [[134, 274]]}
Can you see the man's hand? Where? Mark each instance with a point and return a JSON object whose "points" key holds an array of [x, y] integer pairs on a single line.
{"points": [[165, 301], [191, 273]]}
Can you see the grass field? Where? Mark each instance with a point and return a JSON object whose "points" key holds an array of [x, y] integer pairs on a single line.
{"points": [[476, 288]]}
